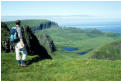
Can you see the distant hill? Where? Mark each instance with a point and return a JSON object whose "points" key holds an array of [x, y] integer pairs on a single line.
{"points": [[110, 51], [35, 24], [79, 38]]}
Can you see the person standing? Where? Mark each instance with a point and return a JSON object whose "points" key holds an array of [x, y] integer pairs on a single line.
{"points": [[20, 46]]}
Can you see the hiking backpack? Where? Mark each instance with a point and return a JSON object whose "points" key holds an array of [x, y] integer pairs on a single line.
{"points": [[13, 35]]}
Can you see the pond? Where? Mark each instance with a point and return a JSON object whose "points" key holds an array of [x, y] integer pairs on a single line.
{"points": [[82, 53], [74, 49], [70, 49]]}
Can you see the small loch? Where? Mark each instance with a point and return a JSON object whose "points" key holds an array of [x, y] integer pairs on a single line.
{"points": [[74, 49]]}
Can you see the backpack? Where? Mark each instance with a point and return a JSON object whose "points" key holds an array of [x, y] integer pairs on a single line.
{"points": [[13, 35]]}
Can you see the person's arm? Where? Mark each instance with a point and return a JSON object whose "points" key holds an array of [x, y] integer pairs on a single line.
{"points": [[22, 43]]}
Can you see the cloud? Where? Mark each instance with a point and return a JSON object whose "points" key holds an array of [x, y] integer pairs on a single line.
{"points": [[73, 16]]}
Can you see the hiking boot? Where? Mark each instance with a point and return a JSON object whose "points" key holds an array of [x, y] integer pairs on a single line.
{"points": [[23, 65]]}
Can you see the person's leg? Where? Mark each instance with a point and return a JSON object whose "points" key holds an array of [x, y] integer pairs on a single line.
{"points": [[24, 55], [18, 57]]}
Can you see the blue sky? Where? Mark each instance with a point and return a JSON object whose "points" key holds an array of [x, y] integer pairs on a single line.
{"points": [[64, 11], [90, 9]]}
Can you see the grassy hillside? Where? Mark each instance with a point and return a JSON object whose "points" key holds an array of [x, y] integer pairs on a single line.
{"points": [[78, 38], [110, 51], [84, 40], [61, 70]]}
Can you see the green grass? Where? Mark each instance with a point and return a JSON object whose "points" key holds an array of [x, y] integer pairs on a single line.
{"points": [[74, 69], [110, 51]]}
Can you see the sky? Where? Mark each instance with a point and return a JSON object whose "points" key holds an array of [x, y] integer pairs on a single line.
{"points": [[64, 10], [40, 8]]}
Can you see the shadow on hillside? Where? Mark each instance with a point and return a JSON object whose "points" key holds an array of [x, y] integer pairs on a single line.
{"points": [[33, 60], [34, 47], [41, 55]]}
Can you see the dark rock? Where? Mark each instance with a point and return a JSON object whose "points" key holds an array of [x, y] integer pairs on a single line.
{"points": [[5, 44], [44, 26], [47, 42], [35, 46]]}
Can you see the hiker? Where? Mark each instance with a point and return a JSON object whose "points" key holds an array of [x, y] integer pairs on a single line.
{"points": [[20, 46]]}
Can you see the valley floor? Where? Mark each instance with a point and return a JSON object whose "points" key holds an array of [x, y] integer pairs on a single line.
{"points": [[74, 69]]}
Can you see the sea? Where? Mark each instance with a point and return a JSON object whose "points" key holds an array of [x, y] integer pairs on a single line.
{"points": [[115, 28]]}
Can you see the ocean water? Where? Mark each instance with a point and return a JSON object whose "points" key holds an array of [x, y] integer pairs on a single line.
{"points": [[104, 27]]}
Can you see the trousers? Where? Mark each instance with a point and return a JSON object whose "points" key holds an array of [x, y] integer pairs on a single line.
{"points": [[20, 50]]}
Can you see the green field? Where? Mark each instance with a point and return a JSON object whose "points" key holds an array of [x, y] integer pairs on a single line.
{"points": [[65, 65], [62, 69]]}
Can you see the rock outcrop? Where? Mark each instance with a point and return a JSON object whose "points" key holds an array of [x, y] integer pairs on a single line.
{"points": [[32, 44], [33, 41], [47, 42], [5, 44], [44, 26]]}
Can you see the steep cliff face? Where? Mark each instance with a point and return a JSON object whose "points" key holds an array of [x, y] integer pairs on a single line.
{"points": [[47, 42], [34, 43], [44, 26]]}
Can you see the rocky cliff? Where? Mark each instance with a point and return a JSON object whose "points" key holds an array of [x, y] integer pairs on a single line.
{"points": [[44, 26], [33, 43], [5, 44]]}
